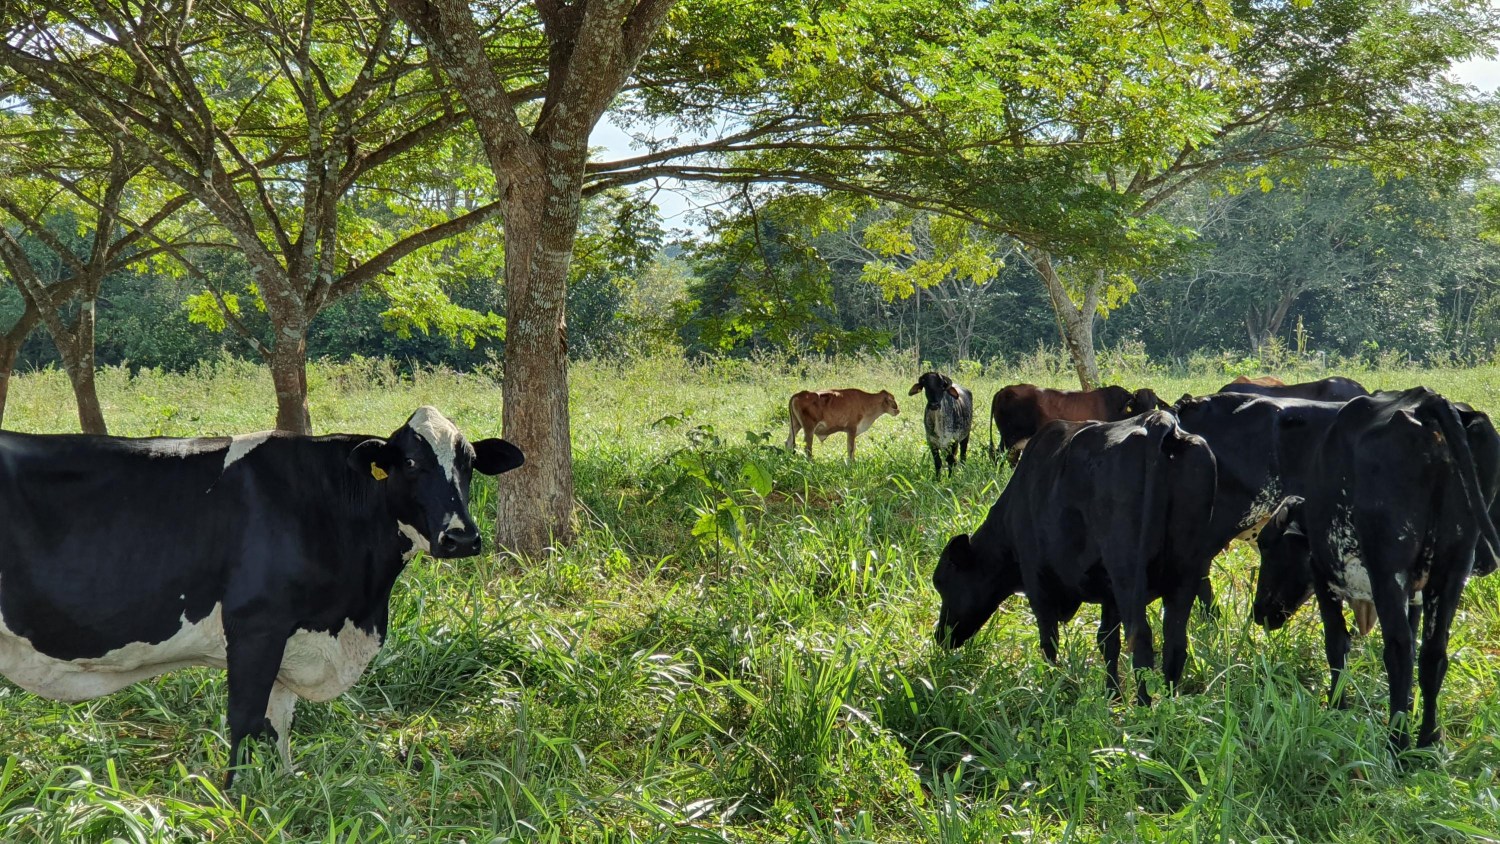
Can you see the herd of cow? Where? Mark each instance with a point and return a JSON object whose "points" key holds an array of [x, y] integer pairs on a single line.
{"points": [[1385, 501], [273, 556]]}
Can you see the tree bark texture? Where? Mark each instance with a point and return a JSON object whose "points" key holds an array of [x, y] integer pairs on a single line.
{"points": [[1075, 324], [76, 348], [289, 376], [535, 502], [10, 347]]}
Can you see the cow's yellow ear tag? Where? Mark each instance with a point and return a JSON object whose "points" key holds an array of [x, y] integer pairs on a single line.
{"points": [[377, 472]]}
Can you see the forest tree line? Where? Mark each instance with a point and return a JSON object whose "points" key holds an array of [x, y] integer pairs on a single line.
{"points": [[1335, 262]]}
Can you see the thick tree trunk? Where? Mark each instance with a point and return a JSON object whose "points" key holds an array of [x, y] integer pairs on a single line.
{"points": [[10, 347], [289, 375], [1075, 324], [76, 348], [535, 503]]}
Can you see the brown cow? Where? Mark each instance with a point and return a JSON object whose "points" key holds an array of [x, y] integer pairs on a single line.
{"points": [[1259, 381], [825, 412], [1020, 410]]}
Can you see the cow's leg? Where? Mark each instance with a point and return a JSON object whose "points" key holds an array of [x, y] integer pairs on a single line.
{"points": [[1142, 650], [254, 658], [807, 434], [279, 712], [850, 458], [1441, 606], [963, 450], [1046, 627], [1108, 637], [1206, 597], [1390, 609], [1177, 608], [937, 462], [952, 458], [1335, 643]]}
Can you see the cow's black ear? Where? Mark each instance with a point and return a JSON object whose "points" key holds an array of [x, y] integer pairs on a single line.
{"points": [[495, 456], [374, 453], [915, 388], [959, 551]]}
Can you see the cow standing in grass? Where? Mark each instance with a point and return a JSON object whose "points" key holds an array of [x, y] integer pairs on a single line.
{"points": [[847, 411], [947, 420], [269, 555], [1114, 514], [1020, 410], [1392, 520]]}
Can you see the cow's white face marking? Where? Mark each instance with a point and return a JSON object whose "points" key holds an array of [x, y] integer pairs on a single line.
{"points": [[440, 435], [322, 666], [415, 537], [454, 522], [196, 643], [243, 444]]}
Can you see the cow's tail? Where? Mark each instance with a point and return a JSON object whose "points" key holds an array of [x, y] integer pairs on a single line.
{"points": [[1441, 411], [794, 423], [1152, 534], [994, 455]]}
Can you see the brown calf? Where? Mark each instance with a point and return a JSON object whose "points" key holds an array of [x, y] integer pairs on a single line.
{"points": [[1020, 410], [825, 412], [1259, 381]]}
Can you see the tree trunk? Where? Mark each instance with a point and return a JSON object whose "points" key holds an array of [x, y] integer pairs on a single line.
{"points": [[1076, 325], [10, 347], [76, 348], [289, 375], [534, 508]]}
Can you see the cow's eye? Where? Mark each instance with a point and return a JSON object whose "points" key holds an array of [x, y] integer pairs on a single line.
{"points": [[411, 463]]}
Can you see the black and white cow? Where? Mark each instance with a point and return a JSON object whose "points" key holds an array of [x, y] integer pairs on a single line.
{"points": [[1391, 524], [1107, 513], [269, 555], [947, 420]]}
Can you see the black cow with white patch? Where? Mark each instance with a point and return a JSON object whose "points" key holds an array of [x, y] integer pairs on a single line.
{"points": [[1105, 513], [269, 555], [1391, 525], [1263, 446], [947, 420]]}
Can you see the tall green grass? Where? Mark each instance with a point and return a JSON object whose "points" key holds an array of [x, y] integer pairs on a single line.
{"points": [[767, 677]]}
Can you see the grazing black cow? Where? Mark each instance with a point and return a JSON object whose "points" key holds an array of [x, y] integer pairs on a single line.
{"points": [[1108, 513], [1390, 523], [1263, 446], [948, 418], [1324, 389], [269, 555]]}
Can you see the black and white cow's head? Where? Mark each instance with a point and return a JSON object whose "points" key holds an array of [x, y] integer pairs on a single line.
{"points": [[971, 589], [935, 384], [427, 464], [1285, 581]]}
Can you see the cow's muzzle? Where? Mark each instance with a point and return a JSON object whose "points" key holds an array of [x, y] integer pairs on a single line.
{"points": [[457, 542]]}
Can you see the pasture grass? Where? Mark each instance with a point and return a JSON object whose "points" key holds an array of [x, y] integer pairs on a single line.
{"points": [[738, 648]]}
